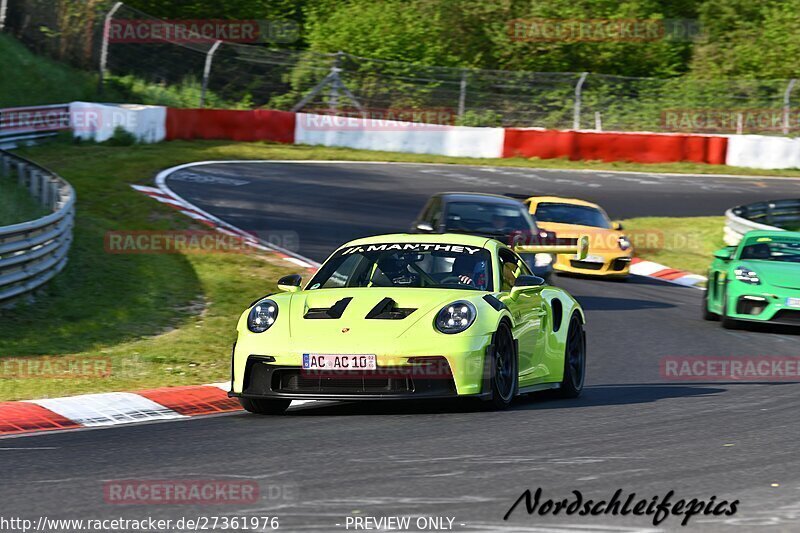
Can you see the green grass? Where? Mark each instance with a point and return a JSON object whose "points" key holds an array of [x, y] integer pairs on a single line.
{"points": [[16, 203], [685, 243], [28, 79], [160, 319]]}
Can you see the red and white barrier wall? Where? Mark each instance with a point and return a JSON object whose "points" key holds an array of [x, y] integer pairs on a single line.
{"points": [[155, 123], [255, 125], [614, 146], [397, 136]]}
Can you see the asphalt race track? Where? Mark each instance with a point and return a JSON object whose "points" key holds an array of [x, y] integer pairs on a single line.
{"points": [[631, 430]]}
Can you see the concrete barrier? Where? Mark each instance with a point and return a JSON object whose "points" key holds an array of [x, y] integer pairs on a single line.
{"points": [[97, 122], [396, 136], [762, 151]]}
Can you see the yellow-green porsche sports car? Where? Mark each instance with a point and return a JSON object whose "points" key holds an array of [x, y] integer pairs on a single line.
{"points": [[410, 316]]}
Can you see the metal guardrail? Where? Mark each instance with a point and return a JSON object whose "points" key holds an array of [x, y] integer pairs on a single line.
{"points": [[772, 215], [26, 125], [31, 253]]}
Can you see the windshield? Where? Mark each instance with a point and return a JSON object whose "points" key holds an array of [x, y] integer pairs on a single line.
{"points": [[420, 265], [786, 249], [487, 218], [580, 215]]}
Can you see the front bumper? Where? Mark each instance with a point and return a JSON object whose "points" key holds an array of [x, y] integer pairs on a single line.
{"points": [[612, 265], [420, 372], [764, 306], [268, 380]]}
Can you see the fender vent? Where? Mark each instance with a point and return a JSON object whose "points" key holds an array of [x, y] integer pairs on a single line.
{"points": [[333, 312], [558, 313], [387, 309], [494, 302]]}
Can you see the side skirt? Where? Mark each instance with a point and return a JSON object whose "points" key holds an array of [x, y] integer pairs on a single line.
{"points": [[539, 387]]}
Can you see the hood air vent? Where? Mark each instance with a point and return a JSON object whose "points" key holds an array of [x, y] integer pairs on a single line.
{"points": [[333, 312], [387, 309]]}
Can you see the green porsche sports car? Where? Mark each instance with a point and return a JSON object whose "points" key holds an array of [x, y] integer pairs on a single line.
{"points": [[410, 316], [759, 280]]}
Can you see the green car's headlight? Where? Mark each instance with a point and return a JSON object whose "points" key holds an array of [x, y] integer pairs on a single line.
{"points": [[262, 316], [747, 275], [456, 317]]}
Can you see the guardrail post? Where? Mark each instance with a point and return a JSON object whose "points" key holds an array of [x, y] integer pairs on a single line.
{"points": [[576, 118], [33, 183], [22, 174], [3, 9], [786, 103], [44, 190], [462, 94], [6, 165], [104, 45], [52, 195], [207, 71]]}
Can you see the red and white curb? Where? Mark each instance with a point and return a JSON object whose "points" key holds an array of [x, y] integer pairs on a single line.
{"points": [[650, 269], [113, 408], [117, 408]]}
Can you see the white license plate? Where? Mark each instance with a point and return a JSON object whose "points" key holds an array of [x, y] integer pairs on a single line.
{"points": [[313, 361], [792, 302], [594, 259]]}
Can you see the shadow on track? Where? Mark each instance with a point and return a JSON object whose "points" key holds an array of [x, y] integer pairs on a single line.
{"points": [[607, 303], [592, 397]]}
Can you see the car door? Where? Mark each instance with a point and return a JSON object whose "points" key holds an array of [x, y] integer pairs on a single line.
{"points": [[527, 311]]}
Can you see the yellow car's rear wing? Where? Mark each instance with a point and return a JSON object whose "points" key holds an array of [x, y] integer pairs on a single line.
{"points": [[579, 247]]}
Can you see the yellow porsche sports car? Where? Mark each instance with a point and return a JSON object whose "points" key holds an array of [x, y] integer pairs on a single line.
{"points": [[610, 250]]}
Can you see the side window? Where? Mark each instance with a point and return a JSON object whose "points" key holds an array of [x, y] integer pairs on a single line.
{"points": [[435, 214], [427, 211], [509, 269], [524, 268], [348, 269]]}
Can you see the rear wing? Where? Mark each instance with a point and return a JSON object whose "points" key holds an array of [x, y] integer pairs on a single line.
{"points": [[579, 247]]}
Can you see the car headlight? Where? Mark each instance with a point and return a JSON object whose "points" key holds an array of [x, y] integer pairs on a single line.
{"points": [[456, 317], [624, 243], [542, 260], [262, 316], [747, 275]]}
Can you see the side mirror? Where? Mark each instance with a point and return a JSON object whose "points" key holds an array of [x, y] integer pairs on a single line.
{"points": [[725, 254], [290, 283], [616, 226], [526, 282], [424, 227]]}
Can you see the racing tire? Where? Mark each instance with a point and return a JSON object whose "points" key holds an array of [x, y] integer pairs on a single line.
{"points": [[708, 315], [261, 406], [574, 360], [504, 369]]}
